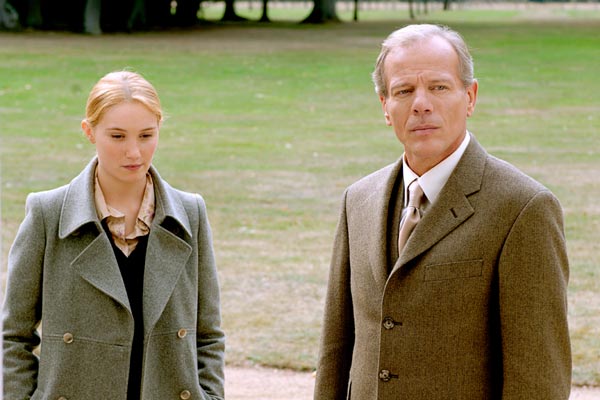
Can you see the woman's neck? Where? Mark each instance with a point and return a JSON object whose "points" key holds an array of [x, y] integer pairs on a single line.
{"points": [[124, 196]]}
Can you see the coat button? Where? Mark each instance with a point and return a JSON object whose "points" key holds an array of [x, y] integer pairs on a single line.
{"points": [[181, 333], [68, 338], [388, 323], [62, 398], [385, 375], [185, 395]]}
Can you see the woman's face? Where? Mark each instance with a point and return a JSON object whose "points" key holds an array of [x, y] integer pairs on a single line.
{"points": [[125, 138]]}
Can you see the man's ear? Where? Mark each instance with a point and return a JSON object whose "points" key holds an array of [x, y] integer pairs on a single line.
{"points": [[88, 131], [472, 97], [383, 101]]}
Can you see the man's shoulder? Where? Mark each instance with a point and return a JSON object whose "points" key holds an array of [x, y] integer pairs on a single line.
{"points": [[502, 172], [375, 180]]}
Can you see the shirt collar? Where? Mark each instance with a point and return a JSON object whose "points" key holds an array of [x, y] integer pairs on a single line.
{"points": [[115, 219], [434, 180]]}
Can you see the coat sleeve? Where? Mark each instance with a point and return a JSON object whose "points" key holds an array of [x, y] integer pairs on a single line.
{"points": [[337, 337], [533, 275], [21, 311], [210, 337]]}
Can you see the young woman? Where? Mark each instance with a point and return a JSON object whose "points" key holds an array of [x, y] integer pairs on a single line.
{"points": [[118, 268]]}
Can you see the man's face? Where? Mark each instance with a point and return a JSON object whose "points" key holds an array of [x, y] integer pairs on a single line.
{"points": [[427, 103]]}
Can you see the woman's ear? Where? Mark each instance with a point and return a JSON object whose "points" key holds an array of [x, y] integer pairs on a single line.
{"points": [[88, 131]]}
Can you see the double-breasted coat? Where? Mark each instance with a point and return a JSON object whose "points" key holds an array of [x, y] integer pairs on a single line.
{"points": [[474, 308], [62, 273]]}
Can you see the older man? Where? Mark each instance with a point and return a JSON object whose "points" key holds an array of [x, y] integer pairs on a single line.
{"points": [[449, 272]]}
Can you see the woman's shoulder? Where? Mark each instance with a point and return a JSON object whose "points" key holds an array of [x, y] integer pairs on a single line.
{"points": [[51, 198]]}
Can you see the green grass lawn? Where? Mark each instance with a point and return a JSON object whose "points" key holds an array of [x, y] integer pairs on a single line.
{"points": [[270, 122]]}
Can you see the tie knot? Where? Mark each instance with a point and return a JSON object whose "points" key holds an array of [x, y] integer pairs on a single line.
{"points": [[415, 194]]}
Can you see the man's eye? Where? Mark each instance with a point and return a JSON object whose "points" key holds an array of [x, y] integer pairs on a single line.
{"points": [[116, 136], [403, 92], [440, 87]]}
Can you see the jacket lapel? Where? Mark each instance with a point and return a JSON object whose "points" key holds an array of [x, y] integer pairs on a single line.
{"points": [[168, 250], [452, 207], [96, 263], [376, 213]]}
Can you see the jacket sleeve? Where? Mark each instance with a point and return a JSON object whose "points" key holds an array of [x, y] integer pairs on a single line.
{"points": [[337, 337], [210, 337], [21, 312], [533, 275]]}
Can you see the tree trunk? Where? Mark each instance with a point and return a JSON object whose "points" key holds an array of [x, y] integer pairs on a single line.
{"points": [[447, 5], [34, 15], [137, 18], [229, 14], [411, 11], [91, 18], [264, 17], [186, 13], [323, 11]]}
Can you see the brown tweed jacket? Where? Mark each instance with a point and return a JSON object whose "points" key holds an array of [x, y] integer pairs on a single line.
{"points": [[475, 307]]}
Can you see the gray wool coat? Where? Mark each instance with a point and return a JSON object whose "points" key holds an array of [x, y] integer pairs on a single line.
{"points": [[475, 308], [62, 273]]}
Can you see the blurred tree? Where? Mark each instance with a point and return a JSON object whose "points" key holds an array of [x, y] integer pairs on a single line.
{"points": [[9, 17], [91, 17], [229, 14], [264, 16], [185, 13], [323, 11]]}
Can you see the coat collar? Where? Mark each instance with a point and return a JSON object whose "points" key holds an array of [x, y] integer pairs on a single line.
{"points": [[166, 255], [450, 210], [79, 209]]}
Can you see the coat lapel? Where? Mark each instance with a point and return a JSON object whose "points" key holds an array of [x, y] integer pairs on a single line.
{"points": [[377, 210], [96, 263], [452, 207], [168, 250], [166, 257]]}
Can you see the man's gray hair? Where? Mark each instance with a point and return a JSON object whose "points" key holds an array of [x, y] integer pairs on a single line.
{"points": [[411, 34]]}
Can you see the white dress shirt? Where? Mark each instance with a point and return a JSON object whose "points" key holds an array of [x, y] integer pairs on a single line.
{"points": [[433, 180]]}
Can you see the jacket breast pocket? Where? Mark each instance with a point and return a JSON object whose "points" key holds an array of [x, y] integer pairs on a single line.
{"points": [[453, 270]]}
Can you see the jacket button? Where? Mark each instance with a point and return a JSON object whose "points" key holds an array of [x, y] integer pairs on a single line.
{"points": [[181, 333], [185, 395], [62, 398], [388, 323], [385, 375], [68, 338]]}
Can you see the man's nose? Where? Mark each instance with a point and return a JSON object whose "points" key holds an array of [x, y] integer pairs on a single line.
{"points": [[422, 102]]}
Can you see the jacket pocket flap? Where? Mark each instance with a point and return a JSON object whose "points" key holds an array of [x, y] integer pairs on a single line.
{"points": [[453, 270]]}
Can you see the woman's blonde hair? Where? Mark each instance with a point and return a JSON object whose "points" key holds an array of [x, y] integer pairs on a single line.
{"points": [[117, 87]]}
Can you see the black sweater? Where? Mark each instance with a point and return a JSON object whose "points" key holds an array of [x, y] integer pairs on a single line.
{"points": [[132, 271]]}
